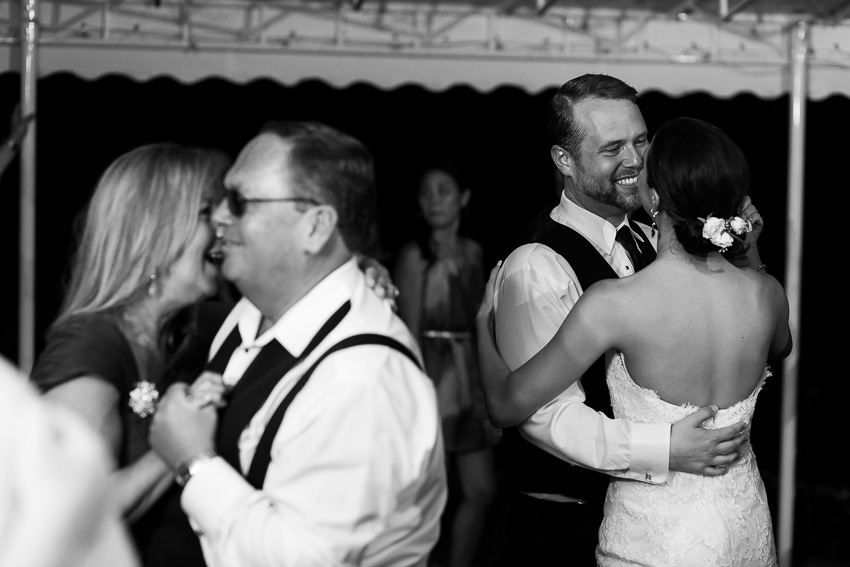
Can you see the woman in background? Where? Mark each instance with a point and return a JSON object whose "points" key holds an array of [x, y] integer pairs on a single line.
{"points": [[440, 276]]}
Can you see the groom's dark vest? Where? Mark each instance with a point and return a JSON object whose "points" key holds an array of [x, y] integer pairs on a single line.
{"points": [[528, 468]]}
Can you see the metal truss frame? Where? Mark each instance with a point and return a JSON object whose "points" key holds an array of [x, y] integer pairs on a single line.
{"points": [[691, 32]]}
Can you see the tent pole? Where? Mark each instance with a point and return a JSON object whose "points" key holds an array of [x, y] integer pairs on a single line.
{"points": [[793, 268], [26, 292]]}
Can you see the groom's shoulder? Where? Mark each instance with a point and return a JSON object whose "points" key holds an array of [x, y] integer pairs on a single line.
{"points": [[528, 254], [536, 258]]}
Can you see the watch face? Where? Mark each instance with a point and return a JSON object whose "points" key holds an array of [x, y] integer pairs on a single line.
{"points": [[190, 467], [182, 475]]}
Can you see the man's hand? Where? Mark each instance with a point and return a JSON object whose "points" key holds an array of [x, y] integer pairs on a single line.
{"points": [[182, 426], [209, 388], [706, 452]]}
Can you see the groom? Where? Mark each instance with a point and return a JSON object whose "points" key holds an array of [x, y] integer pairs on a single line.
{"points": [[598, 139]]}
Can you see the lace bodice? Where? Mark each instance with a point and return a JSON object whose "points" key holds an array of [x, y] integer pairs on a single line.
{"points": [[641, 405], [689, 520]]}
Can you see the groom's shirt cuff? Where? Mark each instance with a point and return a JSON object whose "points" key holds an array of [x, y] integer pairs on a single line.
{"points": [[650, 446]]}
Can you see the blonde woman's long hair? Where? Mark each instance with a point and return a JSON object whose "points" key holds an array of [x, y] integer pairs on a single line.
{"points": [[143, 213]]}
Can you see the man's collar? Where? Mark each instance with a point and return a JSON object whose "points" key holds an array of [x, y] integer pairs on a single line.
{"points": [[596, 229], [299, 324]]}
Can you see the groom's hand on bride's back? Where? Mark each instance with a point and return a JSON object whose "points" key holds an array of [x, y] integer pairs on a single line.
{"points": [[706, 452]]}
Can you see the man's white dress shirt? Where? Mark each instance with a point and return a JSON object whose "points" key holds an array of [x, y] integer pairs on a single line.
{"points": [[357, 474], [535, 291]]}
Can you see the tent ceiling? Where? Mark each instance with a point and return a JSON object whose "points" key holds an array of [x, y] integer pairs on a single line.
{"points": [[723, 46], [825, 9]]}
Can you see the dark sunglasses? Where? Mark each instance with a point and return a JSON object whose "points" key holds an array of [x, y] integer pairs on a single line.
{"points": [[236, 202]]}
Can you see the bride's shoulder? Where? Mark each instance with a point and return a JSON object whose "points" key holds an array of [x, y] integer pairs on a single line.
{"points": [[774, 290], [638, 295], [766, 284], [611, 294]]}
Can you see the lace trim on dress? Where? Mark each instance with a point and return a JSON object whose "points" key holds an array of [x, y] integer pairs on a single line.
{"points": [[724, 417], [690, 520]]}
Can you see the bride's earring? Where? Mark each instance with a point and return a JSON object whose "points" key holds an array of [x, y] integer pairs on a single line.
{"points": [[653, 213]]}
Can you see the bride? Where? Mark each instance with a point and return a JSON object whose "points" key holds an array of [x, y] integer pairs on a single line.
{"points": [[694, 328]]}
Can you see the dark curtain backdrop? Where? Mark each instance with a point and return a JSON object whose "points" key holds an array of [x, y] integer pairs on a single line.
{"points": [[83, 125]]}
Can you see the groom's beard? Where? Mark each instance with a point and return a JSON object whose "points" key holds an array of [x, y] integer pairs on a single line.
{"points": [[601, 188]]}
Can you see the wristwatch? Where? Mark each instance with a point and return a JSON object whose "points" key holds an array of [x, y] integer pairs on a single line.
{"points": [[191, 466]]}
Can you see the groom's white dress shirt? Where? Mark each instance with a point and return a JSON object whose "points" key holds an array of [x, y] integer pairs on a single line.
{"points": [[357, 474], [535, 291]]}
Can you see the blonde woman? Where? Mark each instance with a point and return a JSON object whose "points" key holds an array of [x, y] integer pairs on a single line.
{"points": [[142, 261], [129, 326]]}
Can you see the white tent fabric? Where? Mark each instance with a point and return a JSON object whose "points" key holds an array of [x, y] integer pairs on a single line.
{"points": [[432, 72], [434, 45]]}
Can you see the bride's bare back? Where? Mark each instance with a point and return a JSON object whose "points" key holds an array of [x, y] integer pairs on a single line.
{"points": [[695, 330]]}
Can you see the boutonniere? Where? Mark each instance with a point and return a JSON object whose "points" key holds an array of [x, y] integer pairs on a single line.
{"points": [[143, 398]]}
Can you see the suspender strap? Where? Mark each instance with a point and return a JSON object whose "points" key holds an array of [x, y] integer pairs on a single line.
{"points": [[257, 383], [262, 457]]}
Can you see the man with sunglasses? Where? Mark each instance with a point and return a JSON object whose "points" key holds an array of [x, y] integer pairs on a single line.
{"points": [[329, 450]]}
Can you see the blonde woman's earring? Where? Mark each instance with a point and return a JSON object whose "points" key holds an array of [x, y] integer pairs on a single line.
{"points": [[153, 286]]}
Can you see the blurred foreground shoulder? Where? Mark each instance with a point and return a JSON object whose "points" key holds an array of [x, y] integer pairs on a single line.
{"points": [[54, 510]]}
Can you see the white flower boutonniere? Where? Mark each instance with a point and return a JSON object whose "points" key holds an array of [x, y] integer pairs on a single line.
{"points": [[143, 399]]}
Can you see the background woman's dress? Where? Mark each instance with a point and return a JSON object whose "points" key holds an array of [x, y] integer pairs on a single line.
{"points": [[451, 293], [690, 520]]}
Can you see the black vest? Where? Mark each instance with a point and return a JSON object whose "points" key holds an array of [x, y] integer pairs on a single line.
{"points": [[173, 543], [528, 468]]}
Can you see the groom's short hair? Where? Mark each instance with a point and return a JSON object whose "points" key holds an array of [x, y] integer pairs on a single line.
{"points": [[563, 129]]}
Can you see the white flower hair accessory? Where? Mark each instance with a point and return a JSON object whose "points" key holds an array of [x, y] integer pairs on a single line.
{"points": [[740, 225], [720, 231]]}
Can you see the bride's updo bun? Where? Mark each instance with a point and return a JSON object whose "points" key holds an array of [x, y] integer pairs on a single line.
{"points": [[698, 172]]}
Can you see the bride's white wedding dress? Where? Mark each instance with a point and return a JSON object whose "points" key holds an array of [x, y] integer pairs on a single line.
{"points": [[690, 520]]}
